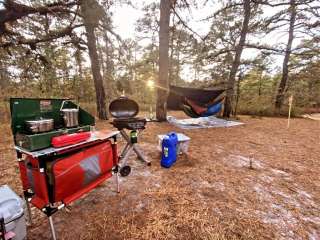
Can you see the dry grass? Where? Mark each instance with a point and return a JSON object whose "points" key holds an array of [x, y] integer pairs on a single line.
{"points": [[209, 194]]}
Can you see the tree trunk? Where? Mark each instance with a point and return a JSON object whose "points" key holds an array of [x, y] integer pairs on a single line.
{"points": [[171, 78], [236, 61], [109, 69], [90, 22], [80, 87], [97, 78], [238, 94], [260, 83], [285, 69], [162, 90], [177, 73], [4, 78], [101, 59]]}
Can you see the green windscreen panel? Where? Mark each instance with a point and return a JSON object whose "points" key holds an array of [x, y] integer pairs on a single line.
{"points": [[24, 109]]}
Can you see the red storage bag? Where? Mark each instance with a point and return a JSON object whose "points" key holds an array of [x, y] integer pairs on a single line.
{"points": [[34, 178], [69, 139], [76, 173]]}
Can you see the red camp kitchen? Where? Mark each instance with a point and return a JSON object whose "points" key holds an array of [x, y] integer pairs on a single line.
{"points": [[60, 154]]}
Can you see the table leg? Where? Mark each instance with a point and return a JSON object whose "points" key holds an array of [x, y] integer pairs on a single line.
{"points": [[53, 232], [29, 211], [117, 180]]}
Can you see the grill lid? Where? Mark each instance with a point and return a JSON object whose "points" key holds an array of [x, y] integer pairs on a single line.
{"points": [[123, 107]]}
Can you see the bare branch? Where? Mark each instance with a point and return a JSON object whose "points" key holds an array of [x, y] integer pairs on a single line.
{"points": [[222, 10], [263, 47], [14, 11], [220, 52], [185, 25], [49, 37], [268, 3]]}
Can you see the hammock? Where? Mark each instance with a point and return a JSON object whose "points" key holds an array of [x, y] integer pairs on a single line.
{"points": [[195, 102], [193, 110]]}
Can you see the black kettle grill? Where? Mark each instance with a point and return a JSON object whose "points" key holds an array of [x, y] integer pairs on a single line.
{"points": [[124, 112]]}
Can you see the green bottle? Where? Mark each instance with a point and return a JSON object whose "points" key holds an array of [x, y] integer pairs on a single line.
{"points": [[133, 136]]}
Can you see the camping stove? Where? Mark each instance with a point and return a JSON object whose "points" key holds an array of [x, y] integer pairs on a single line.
{"points": [[36, 121], [54, 176]]}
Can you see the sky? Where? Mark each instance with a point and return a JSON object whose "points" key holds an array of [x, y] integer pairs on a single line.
{"points": [[125, 18]]}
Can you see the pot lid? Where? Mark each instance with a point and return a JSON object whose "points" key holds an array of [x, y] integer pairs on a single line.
{"points": [[123, 107], [70, 110], [47, 120]]}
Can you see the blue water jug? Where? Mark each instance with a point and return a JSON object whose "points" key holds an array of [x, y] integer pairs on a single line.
{"points": [[169, 150]]}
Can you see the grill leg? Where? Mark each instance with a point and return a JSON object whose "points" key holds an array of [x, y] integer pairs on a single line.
{"points": [[125, 157], [53, 232], [124, 150], [135, 149]]}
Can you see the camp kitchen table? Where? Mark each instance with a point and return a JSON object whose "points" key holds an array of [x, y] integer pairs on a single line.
{"points": [[54, 177]]}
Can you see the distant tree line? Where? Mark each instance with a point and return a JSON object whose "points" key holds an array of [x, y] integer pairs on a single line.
{"points": [[46, 48]]}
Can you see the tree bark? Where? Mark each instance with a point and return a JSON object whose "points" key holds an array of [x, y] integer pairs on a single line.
{"points": [[109, 69], [163, 85], [236, 60], [4, 79], [260, 83], [105, 66], [90, 22], [171, 79], [97, 78], [80, 87], [285, 68], [238, 94]]}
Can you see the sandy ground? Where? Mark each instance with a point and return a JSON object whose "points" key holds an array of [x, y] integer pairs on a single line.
{"points": [[211, 193]]}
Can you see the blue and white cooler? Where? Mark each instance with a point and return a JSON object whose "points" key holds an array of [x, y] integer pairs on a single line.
{"points": [[12, 215]]}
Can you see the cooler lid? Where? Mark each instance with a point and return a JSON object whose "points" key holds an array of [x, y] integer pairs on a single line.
{"points": [[123, 107], [11, 205]]}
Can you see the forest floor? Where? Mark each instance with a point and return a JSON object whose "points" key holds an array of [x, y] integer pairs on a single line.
{"points": [[211, 193]]}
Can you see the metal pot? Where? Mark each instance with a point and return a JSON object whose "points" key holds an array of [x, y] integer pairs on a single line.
{"points": [[70, 116], [41, 125]]}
